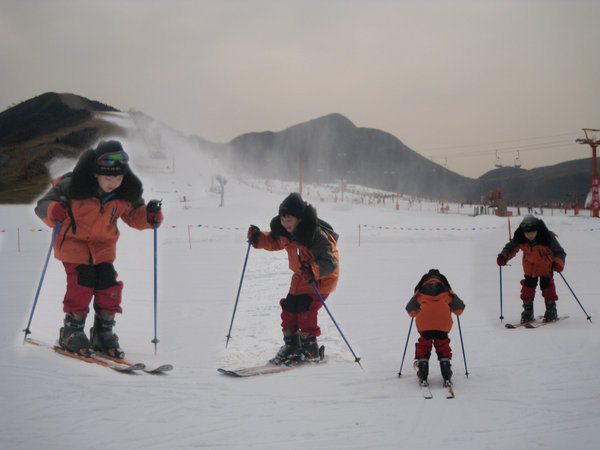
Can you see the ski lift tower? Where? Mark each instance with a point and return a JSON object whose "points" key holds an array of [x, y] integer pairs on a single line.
{"points": [[222, 182], [592, 138]]}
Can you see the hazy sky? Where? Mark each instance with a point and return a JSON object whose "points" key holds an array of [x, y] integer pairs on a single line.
{"points": [[456, 81]]}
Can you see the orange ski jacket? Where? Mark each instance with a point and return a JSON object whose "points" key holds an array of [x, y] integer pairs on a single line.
{"points": [[316, 242], [538, 255], [432, 304], [89, 234]]}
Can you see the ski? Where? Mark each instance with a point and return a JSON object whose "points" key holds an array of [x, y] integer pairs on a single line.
{"points": [[91, 358], [524, 324], [423, 384], [537, 324], [155, 371], [274, 368], [425, 390], [449, 389]]}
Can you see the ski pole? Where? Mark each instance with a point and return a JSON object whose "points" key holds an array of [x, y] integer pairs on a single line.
{"points": [[412, 319], [238, 294], [155, 341], [581, 306], [37, 294], [501, 314], [462, 346], [356, 358]]}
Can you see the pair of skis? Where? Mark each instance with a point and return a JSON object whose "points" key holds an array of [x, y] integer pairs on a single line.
{"points": [[426, 389], [118, 364], [535, 323], [268, 368]]}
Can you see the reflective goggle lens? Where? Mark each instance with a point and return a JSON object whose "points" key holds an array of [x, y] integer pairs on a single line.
{"points": [[110, 159]]}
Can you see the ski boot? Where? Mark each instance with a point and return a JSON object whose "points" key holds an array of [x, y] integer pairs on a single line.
{"points": [[446, 369], [550, 315], [72, 337], [422, 366], [102, 337], [309, 347], [289, 350], [527, 314]]}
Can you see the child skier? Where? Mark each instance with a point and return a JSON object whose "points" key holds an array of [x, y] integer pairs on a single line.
{"points": [[313, 258], [542, 255], [431, 305], [86, 204]]}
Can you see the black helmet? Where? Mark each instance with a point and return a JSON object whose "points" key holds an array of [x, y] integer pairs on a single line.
{"points": [[530, 223]]}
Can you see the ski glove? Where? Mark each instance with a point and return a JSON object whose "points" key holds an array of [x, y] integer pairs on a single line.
{"points": [[307, 274], [557, 266], [57, 211], [501, 260], [253, 234], [154, 215]]}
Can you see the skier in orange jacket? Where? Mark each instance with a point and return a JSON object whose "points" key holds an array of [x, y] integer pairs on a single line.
{"points": [[431, 306]]}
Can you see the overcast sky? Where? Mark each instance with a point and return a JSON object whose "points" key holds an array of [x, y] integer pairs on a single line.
{"points": [[456, 81]]}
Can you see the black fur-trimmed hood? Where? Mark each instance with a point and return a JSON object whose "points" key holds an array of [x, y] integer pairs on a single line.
{"points": [[544, 236], [84, 185], [305, 233], [441, 285]]}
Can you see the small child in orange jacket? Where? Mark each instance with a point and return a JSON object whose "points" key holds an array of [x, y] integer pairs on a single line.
{"points": [[431, 306], [85, 205]]}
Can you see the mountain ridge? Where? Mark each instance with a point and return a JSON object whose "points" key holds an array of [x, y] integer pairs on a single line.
{"points": [[329, 148]]}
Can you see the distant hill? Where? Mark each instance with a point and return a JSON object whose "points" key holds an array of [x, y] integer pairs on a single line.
{"points": [[40, 129], [330, 149], [333, 148], [557, 183]]}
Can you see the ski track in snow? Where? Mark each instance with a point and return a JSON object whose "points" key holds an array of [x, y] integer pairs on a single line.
{"points": [[526, 388]]}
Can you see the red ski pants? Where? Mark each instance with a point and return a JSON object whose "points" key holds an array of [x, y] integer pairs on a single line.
{"points": [[85, 282], [300, 313], [546, 285], [431, 338]]}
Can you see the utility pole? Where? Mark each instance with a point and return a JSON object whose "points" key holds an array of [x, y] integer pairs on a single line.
{"points": [[592, 138], [300, 161]]}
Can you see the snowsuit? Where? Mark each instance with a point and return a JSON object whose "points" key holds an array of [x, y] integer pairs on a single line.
{"points": [[431, 305], [86, 241], [316, 241], [538, 258]]}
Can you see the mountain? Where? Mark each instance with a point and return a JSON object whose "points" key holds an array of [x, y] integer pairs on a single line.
{"points": [[328, 149], [332, 148], [37, 130]]}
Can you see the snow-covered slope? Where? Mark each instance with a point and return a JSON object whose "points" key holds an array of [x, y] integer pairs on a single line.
{"points": [[526, 388]]}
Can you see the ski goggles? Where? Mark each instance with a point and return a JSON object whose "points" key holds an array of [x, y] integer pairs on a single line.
{"points": [[529, 225], [112, 159]]}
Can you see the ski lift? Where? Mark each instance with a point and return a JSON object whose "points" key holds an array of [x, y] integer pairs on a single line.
{"points": [[518, 160], [498, 161]]}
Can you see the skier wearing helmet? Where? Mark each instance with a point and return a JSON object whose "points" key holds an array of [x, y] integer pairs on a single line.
{"points": [[542, 256]]}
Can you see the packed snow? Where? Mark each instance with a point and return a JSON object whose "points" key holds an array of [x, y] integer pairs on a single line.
{"points": [[525, 388]]}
